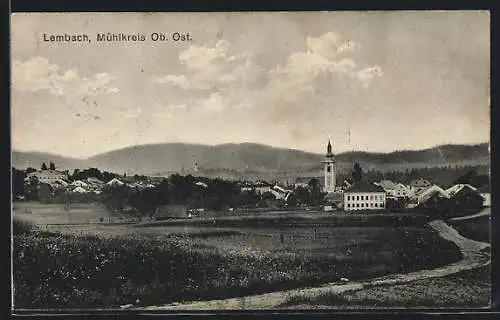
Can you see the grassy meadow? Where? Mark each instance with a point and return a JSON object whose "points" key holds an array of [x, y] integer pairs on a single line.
{"points": [[478, 229], [108, 265], [466, 289]]}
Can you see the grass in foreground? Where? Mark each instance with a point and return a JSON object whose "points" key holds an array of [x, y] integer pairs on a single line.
{"points": [[67, 271], [467, 289], [476, 229]]}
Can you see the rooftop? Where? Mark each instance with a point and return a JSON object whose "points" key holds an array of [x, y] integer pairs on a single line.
{"points": [[365, 187]]}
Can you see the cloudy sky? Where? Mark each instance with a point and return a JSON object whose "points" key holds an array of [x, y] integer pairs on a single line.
{"points": [[378, 81]]}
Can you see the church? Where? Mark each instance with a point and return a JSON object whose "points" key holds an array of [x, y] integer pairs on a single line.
{"points": [[359, 196]]}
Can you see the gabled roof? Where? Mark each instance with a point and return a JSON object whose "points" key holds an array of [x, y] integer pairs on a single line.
{"points": [[457, 188], [201, 184], [365, 187], [94, 180], [79, 190], [420, 183], [79, 183], [425, 194], [115, 181], [387, 184]]}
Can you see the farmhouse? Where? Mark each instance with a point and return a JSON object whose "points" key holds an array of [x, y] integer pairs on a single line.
{"points": [[48, 176], [59, 184], [419, 185], [364, 196], [79, 183], [393, 189], [465, 198], [115, 182], [432, 191], [94, 181]]}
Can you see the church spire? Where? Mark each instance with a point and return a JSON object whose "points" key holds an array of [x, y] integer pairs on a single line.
{"points": [[329, 148]]}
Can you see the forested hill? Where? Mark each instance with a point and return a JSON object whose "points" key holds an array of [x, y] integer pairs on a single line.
{"points": [[252, 159]]}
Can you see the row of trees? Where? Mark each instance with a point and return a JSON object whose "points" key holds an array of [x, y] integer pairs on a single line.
{"points": [[52, 166], [443, 176], [218, 194]]}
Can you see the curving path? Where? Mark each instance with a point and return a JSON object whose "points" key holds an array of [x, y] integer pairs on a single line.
{"points": [[473, 257]]}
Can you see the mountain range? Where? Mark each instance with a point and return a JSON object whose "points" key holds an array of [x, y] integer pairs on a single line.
{"points": [[251, 160]]}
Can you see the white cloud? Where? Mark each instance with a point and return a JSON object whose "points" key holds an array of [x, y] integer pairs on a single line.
{"points": [[133, 114], [367, 75], [38, 74], [230, 79], [216, 102], [178, 80]]}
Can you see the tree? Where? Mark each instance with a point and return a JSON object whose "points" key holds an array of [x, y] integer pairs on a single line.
{"points": [[30, 170], [52, 166], [317, 194], [357, 173], [467, 177], [18, 182], [44, 166], [31, 189], [303, 195]]}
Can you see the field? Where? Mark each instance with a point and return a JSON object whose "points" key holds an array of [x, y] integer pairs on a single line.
{"points": [[476, 229], [76, 213], [471, 289], [107, 265]]}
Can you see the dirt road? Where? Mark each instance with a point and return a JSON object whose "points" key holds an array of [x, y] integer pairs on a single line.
{"points": [[473, 257]]}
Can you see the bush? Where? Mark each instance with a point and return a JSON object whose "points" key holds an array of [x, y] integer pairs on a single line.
{"points": [[20, 226]]}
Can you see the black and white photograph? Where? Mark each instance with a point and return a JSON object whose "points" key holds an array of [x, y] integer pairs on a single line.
{"points": [[191, 161]]}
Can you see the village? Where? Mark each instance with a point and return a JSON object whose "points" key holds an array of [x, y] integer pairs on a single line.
{"points": [[354, 194]]}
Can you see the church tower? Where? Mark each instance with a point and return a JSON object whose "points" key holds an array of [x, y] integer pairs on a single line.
{"points": [[329, 170]]}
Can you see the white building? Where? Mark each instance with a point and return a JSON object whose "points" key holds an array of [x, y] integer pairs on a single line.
{"points": [[395, 190], [115, 182], [364, 196], [329, 170], [79, 183], [48, 176]]}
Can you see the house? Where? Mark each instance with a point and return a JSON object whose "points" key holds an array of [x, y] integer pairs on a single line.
{"points": [[433, 200], [424, 194], [432, 191], [115, 182], [465, 198], [201, 184], [281, 193], [79, 183], [79, 190], [59, 184], [395, 189], [364, 196], [419, 185], [94, 181], [303, 182], [48, 176], [332, 201], [170, 211]]}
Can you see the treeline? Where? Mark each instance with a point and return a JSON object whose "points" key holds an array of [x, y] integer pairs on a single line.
{"points": [[445, 176], [212, 194]]}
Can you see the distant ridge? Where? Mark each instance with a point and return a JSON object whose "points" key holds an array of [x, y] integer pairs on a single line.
{"points": [[251, 159]]}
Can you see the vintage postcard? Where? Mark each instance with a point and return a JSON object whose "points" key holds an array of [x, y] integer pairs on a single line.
{"points": [[251, 160]]}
